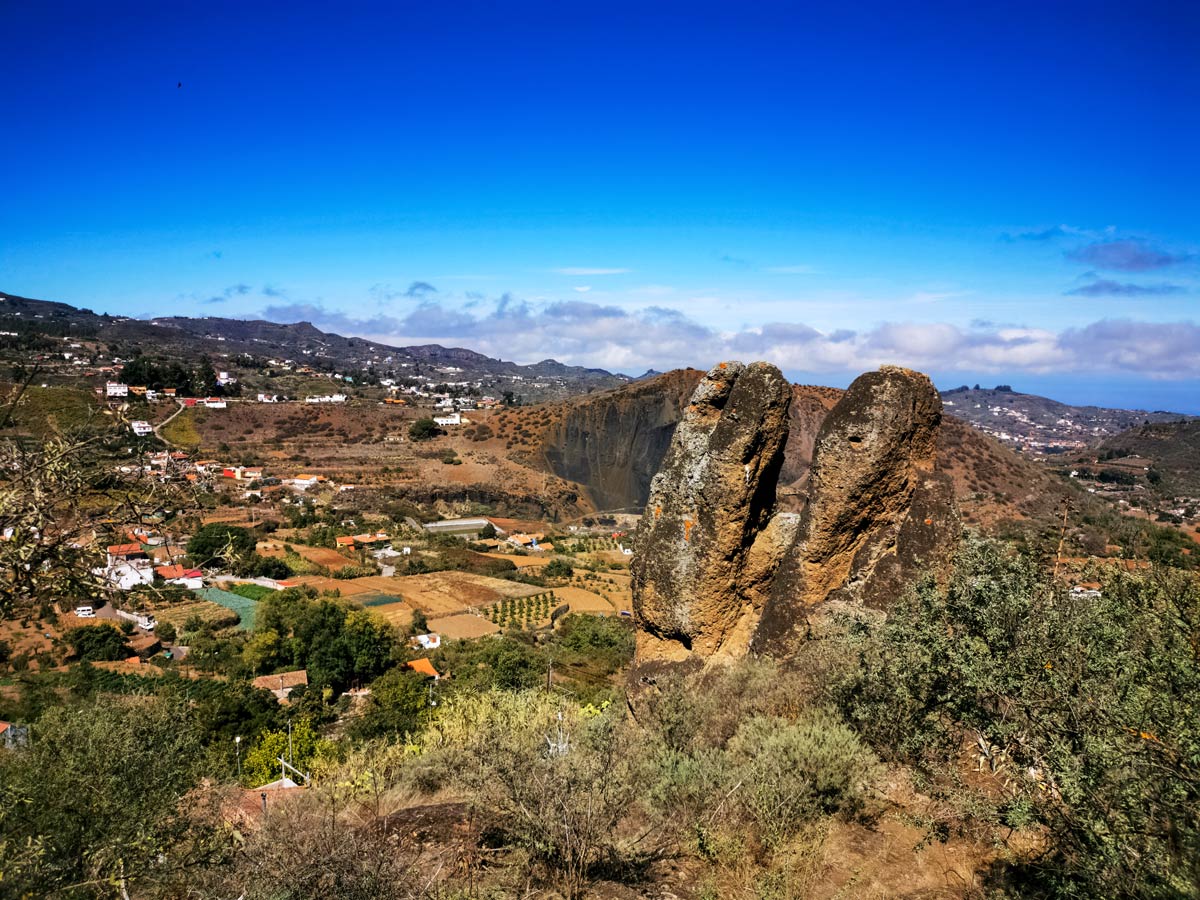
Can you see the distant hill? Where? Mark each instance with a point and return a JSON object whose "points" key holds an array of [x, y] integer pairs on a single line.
{"points": [[1039, 423], [1166, 455], [36, 321]]}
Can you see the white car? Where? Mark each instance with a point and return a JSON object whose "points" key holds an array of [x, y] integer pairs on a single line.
{"points": [[85, 612]]}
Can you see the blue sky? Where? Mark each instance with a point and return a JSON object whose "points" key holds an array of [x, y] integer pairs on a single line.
{"points": [[989, 192]]}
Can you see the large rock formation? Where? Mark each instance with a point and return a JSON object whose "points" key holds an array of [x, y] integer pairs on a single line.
{"points": [[700, 575], [876, 514], [719, 572]]}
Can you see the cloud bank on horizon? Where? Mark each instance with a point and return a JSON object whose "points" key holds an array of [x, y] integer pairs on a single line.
{"points": [[607, 336]]}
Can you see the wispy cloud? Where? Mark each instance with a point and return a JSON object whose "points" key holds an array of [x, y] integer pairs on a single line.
{"points": [[419, 289], [1126, 256], [272, 291], [585, 270], [1106, 287], [582, 288], [235, 290], [1054, 232]]}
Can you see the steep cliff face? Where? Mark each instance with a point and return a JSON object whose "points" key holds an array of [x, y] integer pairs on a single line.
{"points": [[699, 575], [612, 443]]}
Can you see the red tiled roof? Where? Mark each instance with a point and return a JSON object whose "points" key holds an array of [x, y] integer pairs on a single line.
{"points": [[177, 571], [124, 549], [282, 681]]}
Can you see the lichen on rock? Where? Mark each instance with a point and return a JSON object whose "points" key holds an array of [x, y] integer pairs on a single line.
{"points": [[719, 572], [697, 582]]}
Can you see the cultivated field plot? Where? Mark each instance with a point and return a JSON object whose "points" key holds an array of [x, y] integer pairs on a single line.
{"points": [[244, 607], [397, 614], [447, 593], [346, 587], [464, 626], [582, 601], [376, 584], [522, 562], [178, 613], [322, 556]]}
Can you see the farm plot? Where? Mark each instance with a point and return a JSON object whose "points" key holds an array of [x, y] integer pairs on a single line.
{"points": [[396, 613], [521, 562], [448, 593], [346, 587], [464, 626], [243, 606], [178, 613], [582, 601], [321, 556]]}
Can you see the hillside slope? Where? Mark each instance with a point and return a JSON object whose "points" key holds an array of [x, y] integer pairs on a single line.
{"points": [[42, 325]]}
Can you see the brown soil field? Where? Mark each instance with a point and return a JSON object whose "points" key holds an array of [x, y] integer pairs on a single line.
{"points": [[464, 626], [322, 556], [398, 615], [582, 601], [447, 593], [376, 584], [522, 562]]}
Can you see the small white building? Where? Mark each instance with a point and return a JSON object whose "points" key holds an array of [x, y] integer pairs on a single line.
{"points": [[452, 419], [116, 389], [125, 576], [268, 398], [141, 429]]}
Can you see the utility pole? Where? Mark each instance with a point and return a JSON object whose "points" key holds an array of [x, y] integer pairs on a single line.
{"points": [[237, 743]]}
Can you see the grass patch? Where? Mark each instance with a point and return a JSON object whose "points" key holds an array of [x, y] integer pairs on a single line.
{"points": [[182, 430], [250, 591]]}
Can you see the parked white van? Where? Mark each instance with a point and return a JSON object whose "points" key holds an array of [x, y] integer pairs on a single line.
{"points": [[85, 612]]}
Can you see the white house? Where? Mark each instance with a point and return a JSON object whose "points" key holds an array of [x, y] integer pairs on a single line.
{"points": [[125, 576], [141, 429], [215, 402], [268, 398], [452, 419], [116, 389]]}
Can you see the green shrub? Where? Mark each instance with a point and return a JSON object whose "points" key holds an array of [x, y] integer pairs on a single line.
{"points": [[792, 773]]}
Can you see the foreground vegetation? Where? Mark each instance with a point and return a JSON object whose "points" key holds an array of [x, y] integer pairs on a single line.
{"points": [[1059, 736]]}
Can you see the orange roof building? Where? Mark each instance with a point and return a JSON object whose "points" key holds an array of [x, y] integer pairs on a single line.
{"points": [[423, 666]]}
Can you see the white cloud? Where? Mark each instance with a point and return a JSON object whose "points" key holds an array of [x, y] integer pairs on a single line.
{"points": [[588, 333], [582, 288]]}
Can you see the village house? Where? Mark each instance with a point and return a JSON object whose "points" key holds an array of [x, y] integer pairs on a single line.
{"points": [[116, 389], [141, 428], [283, 684], [215, 402], [447, 420], [192, 579]]}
